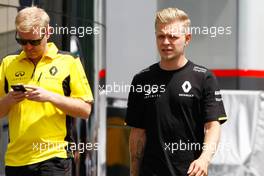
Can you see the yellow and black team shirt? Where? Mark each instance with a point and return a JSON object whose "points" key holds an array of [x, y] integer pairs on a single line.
{"points": [[39, 131]]}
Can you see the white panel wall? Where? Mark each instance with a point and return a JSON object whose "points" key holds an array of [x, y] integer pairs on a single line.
{"points": [[251, 34], [8, 16], [130, 40]]}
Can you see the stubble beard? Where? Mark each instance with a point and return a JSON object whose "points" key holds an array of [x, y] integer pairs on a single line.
{"points": [[170, 58]]}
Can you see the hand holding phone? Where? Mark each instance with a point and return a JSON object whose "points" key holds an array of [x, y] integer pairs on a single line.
{"points": [[19, 87]]}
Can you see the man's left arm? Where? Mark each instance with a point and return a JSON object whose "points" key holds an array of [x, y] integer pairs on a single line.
{"points": [[199, 167], [74, 107]]}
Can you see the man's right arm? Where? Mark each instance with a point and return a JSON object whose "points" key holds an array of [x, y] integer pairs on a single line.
{"points": [[7, 101], [137, 141], [4, 106]]}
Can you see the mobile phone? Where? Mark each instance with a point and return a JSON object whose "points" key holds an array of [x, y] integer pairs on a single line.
{"points": [[19, 87]]}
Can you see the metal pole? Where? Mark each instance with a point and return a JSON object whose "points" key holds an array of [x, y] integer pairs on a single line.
{"points": [[100, 98]]}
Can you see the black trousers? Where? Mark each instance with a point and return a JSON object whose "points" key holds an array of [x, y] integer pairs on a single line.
{"points": [[51, 167]]}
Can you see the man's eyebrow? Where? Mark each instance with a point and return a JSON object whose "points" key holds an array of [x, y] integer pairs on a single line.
{"points": [[167, 33], [161, 32]]}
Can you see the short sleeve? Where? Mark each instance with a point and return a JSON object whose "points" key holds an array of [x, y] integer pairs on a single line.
{"points": [[2, 80], [135, 106], [213, 107], [79, 85]]}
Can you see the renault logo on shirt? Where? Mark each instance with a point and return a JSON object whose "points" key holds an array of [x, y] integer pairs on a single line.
{"points": [[186, 86], [53, 70], [19, 73]]}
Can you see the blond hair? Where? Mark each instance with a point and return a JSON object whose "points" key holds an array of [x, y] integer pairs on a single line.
{"points": [[170, 14], [31, 17]]}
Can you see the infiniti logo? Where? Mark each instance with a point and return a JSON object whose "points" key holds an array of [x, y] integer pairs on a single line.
{"points": [[19, 73]]}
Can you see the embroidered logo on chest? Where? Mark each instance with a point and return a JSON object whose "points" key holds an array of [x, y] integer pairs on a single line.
{"points": [[186, 87]]}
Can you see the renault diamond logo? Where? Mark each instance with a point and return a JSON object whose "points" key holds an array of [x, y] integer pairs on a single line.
{"points": [[186, 86], [19, 73], [53, 70]]}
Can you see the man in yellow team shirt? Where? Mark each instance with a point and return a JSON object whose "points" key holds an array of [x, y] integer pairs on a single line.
{"points": [[40, 116]]}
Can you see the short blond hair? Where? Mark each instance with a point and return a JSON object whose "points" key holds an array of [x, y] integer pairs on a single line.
{"points": [[170, 14], [31, 17]]}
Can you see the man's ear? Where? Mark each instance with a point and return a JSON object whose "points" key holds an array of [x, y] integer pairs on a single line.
{"points": [[188, 38], [49, 32]]}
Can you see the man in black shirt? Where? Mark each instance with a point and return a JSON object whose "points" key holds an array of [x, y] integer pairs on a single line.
{"points": [[174, 107]]}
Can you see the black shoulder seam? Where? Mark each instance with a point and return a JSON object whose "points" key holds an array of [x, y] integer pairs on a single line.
{"points": [[66, 86], [75, 56], [6, 86]]}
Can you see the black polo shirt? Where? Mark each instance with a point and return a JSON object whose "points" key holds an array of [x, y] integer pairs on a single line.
{"points": [[173, 106]]}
